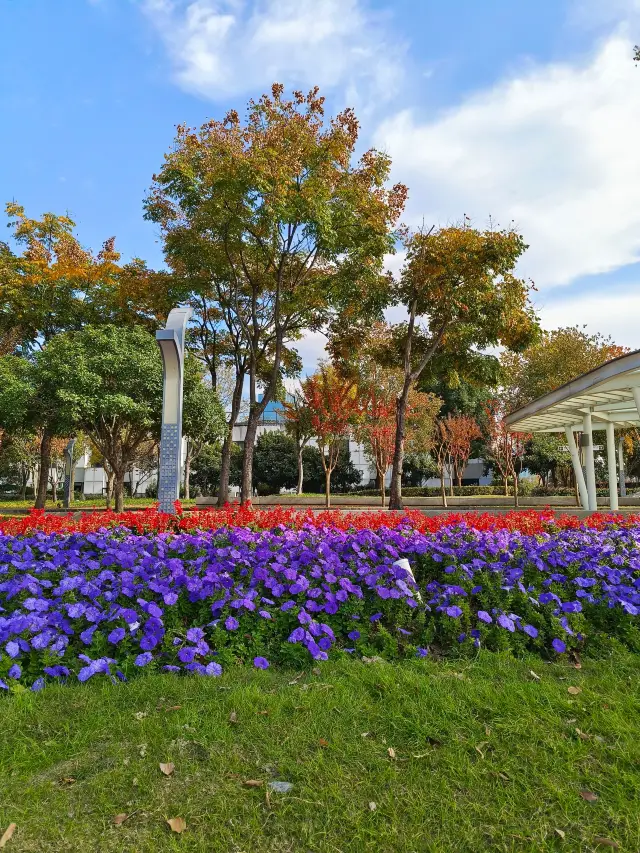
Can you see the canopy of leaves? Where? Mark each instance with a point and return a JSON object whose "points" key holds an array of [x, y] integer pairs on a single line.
{"points": [[275, 464], [560, 356]]}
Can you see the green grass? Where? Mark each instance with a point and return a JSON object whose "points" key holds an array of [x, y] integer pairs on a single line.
{"points": [[487, 758], [14, 503]]}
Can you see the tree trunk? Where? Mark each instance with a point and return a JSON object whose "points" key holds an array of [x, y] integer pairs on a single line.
{"points": [[506, 485], [515, 490], [24, 476], [43, 474], [72, 481], [246, 488], [110, 482], [187, 470], [395, 494], [382, 489], [54, 488], [443, 489], [225, 461], [118, 478], [300, 472], [327, 488]]}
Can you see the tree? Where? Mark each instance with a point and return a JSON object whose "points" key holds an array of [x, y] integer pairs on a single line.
{"points": [[345, 475], [204, 420], [275, 461], [460, 294], [333, 404], [205, 475], [274, 212], [506, 449], [559, 356], [109, 382], [299, 426], [545, 457], [462, 431], [19, 459]]}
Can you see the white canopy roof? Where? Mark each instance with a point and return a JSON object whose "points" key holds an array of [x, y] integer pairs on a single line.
{"points": [[611, 393]]}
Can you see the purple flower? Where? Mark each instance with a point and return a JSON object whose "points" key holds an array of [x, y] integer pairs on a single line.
{"points": [[213, 668], [194, 635], [15, 671], [37, 685], [116, 635], [454, 611], [354, 635], [144, 659], [12, 649], [531, 631], [375, 617], [422, 653], [559, 646], [187, 654], [484, 616], [297, 635], [261, 663], [231, 624]]}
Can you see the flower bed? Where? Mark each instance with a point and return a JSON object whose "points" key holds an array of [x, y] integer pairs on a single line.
{"points": [[114, 602]]}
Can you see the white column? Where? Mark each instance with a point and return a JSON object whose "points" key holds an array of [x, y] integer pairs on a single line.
{"points": [[587, 437], [577, 467], [611, 466], [623, 476]]}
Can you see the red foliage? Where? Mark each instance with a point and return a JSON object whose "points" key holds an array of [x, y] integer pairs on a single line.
{"points": [[235, 515]]}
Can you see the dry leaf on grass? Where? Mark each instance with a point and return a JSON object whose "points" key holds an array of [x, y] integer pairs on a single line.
{"points": [[119, 819], [323, 743], [67, 780], [140, 715], [233, 717], [8, 833], [252, 783], [177, 824], [560, 832], [574, 690], [534, 675], [391, 752], [589, 796], [582, 735], [167, 769], [606, 842], [372, 806]]}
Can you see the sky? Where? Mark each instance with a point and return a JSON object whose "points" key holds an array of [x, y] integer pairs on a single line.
{"points": [[524, 113]]}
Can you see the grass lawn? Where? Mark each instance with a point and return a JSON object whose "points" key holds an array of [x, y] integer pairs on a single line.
{"points": [[422, 756]]}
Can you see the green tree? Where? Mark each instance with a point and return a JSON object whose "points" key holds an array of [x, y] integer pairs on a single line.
{"points": [[275, 462], [275, 211], [461, 295], [299, 426], [108, 381], [344, 478], [544, 456], [205, 475]]}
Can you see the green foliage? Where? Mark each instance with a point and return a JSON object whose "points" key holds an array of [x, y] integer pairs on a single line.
{"points": [[345, 475], [275, 463], [205, 474], [544, 456]]}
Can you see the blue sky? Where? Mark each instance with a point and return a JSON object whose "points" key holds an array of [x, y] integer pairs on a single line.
{"points": [[526, 111]]}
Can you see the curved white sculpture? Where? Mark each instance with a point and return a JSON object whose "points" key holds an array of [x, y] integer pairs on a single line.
{"points": [[171, 343]]}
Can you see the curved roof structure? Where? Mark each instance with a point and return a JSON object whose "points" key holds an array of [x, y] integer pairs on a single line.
{"points": [[610, 393]]}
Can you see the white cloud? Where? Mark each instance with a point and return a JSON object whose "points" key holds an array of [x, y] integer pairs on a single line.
{"points": [[613, 314], [555, 150], [228, 47]]}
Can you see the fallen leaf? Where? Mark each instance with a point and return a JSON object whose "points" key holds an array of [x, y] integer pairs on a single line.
{"points": [[572, 720], [140, 715], [392, 753], [297, 678], [480, 746], [233, 717], [487, 731], [323, 743], [560, 832], [372, 806], [504, 776], [374, 659], [8, 833], [167, 769], [119, 819], [173, 708], [316, 670], [534, 675], [582, 735], [574, 690], [177, 824], [67, 780], [577, 665], [365, 734], [142, 750], [262, 713], [252, 783], [589, 796], [421, 755], [606, 842]]}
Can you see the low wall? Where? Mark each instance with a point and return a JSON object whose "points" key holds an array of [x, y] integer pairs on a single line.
{"points": [[418, 502]]}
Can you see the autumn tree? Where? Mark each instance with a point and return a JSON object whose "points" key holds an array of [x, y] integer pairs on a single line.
{"points": [[461, 295], [299, 426], [333, 404], [274, 209], [462, 430], [559, 356], [506, 449]]}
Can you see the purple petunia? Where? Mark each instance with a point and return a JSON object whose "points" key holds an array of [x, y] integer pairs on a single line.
{"points": [[558, 646], [261, 663], [231, 623]]}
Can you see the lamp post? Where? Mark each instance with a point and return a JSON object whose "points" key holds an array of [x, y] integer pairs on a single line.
{"points": [[171, 343]]}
